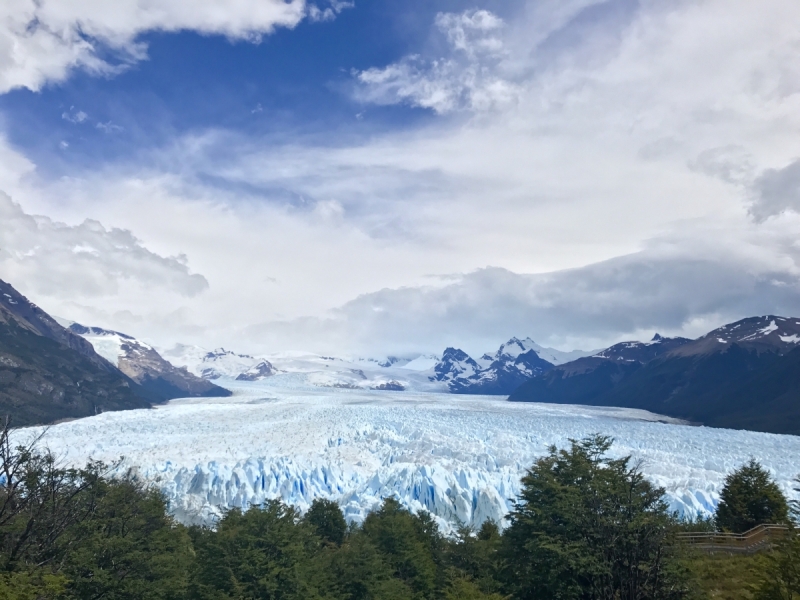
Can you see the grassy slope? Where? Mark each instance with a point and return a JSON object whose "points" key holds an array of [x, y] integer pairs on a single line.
{"points": [[725, 576]]}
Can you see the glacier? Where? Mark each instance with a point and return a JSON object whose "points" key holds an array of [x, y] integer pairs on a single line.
{"points": [[459, 457]]}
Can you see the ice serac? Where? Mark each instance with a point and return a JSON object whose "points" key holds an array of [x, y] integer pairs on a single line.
{"points": [[743, 375], [459, 457], [142, 363]]}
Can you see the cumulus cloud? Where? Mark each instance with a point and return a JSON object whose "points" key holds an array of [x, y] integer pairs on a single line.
{"points": [[468, 78], [328, 13], [677, 285], [83, 261], [43, 40]]}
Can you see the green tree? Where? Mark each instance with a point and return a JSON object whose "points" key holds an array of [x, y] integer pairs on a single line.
{"points": [[410, 544], [474, 555], [327, 520], [589, 527], [130, 548], [781, 578], [357, 570], [750, 497], [262, 554]]}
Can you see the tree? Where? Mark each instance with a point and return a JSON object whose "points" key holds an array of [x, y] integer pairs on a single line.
{"points": [[129, 548], [410, 544], [589, 527], [750, 497], [474, 555], [261, 554], [327, 519], [781, 578], [74, 533]]}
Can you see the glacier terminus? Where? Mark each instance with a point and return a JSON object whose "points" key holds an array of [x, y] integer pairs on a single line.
{"points": [[459, 457]]}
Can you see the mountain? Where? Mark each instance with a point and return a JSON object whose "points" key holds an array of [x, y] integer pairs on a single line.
{"points": [[515, 362], [585, 380], [515, 346], [745, 375], [142, 363], [48, 373], [220, 363], [257, 372], [498, 373]]}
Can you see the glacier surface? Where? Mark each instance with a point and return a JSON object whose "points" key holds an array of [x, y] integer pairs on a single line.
{"points": [[459, 457]]}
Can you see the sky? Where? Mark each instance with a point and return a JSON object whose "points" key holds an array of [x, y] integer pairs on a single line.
{"points": [[378, 178]]}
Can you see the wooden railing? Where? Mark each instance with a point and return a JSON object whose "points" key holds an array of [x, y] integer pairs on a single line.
{"points": [[761, 537]]}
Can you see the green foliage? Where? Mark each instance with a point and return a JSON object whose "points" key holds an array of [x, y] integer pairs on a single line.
{"points": [[128, 544], [586, 526], [410, 544], [31, 586], [780, 579], [258, 554], [475, 555], [327, 519], [750, 497], [357, 570]]}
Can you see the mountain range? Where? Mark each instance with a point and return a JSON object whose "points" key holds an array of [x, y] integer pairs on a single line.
{"points": [[742, 375], [745, 375], [515, 362], [455, 371], [142, 363], [49, 372]]}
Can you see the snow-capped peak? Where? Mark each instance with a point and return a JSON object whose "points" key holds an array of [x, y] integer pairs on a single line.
{"points": [[777, 333], [514, 347]]}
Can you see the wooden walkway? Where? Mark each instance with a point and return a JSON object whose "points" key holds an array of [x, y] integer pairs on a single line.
{"points": [[759, 538]]}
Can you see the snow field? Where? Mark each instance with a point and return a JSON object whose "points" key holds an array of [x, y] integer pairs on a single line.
{"points": [[460, 457]]}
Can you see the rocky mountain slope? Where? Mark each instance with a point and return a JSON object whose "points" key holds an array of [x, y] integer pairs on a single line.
{"points": [[48, 373], [142, 363], [515, 362], [742, 375], [220, 363], [497, 373]]}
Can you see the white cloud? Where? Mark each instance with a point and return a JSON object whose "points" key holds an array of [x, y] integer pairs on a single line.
{"points": [[317, 14], [74, 116], [678, 285], [85, 260], [610, 191], [466, 79], [43, 40], [109, 127], [776, 191]]}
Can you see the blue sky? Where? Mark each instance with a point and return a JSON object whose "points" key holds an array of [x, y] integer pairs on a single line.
{"points": [[293, 82], [398, 177]]}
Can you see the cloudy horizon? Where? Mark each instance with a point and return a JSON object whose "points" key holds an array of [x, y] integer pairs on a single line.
{"points": [[373, 179]]}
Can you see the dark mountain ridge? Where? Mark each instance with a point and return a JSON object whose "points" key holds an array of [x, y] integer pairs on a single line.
{"points": [[743, 375], [48, 373]]}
